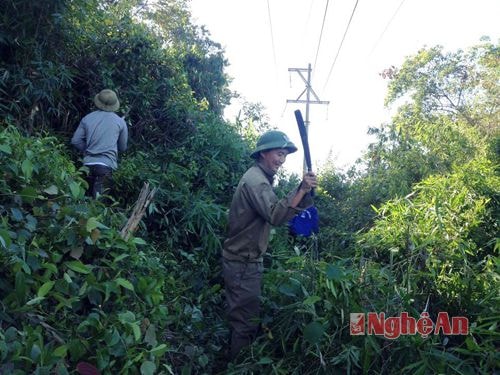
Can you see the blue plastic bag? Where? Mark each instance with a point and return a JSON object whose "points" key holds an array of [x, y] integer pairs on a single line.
{"points": [[305, 223]]}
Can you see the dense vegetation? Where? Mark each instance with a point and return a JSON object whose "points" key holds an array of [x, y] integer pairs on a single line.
{"points": [[412, 227]]}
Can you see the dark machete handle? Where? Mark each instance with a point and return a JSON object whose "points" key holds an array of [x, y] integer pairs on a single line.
{"points": [[305, 142]]}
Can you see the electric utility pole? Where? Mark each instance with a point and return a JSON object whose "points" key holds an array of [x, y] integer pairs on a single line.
{"points": [[308, 91]]}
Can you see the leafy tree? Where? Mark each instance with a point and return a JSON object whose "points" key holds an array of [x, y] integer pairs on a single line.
{"points": [[428, 135], [31, 41], [164, 69], [252, 121], [452, 82], [202, 59]]}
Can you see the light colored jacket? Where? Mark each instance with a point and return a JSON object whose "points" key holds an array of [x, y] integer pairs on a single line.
{"points": [[254, 209], [100, 135]]}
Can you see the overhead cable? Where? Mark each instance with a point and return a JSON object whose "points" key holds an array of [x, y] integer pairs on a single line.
{"points": [[306, 25], [341, 43], [272, 40], [320, 35], [386, 27]]}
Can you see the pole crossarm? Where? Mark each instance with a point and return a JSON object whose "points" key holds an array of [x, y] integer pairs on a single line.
{"points": [[305, 101], [308, 90], [307, 81]]}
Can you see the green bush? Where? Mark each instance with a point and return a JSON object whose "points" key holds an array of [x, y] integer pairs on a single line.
{"points": [[72, 289]]}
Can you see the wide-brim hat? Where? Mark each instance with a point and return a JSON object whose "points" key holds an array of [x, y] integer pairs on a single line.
{"points": [[271, 140], [107, 100]]}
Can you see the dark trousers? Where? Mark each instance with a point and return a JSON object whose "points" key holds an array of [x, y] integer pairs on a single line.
{"points": [[99, 179], [242, 283]]}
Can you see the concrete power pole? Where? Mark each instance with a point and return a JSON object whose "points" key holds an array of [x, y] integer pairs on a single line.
{"points": [[308, 91]]}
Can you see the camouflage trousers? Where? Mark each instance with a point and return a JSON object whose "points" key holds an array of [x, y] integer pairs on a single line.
{"points": [[242, 282]]}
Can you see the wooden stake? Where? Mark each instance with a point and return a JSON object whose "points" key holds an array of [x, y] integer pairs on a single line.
{"points": [[145, 197]]}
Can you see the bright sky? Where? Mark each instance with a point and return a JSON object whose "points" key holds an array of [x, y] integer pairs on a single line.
{"points": [[264, 38]]}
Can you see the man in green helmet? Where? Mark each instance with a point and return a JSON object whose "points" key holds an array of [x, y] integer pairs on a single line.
{"points": [[254, 209]]}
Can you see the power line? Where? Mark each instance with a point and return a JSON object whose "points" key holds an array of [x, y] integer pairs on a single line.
{"points": [[306, 25], [386, 27], [272, 39], [309, 14], [341, 43], [321, 34]]}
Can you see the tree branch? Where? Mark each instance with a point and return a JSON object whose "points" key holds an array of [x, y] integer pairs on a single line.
{"points": [[145, 197]]}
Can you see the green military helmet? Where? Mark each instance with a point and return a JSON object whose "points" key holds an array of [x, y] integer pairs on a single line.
{"points": [[273, 139]]}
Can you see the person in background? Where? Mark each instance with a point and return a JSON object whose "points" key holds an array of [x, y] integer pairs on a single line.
{"points": [[100, 136], [254, 209]]}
